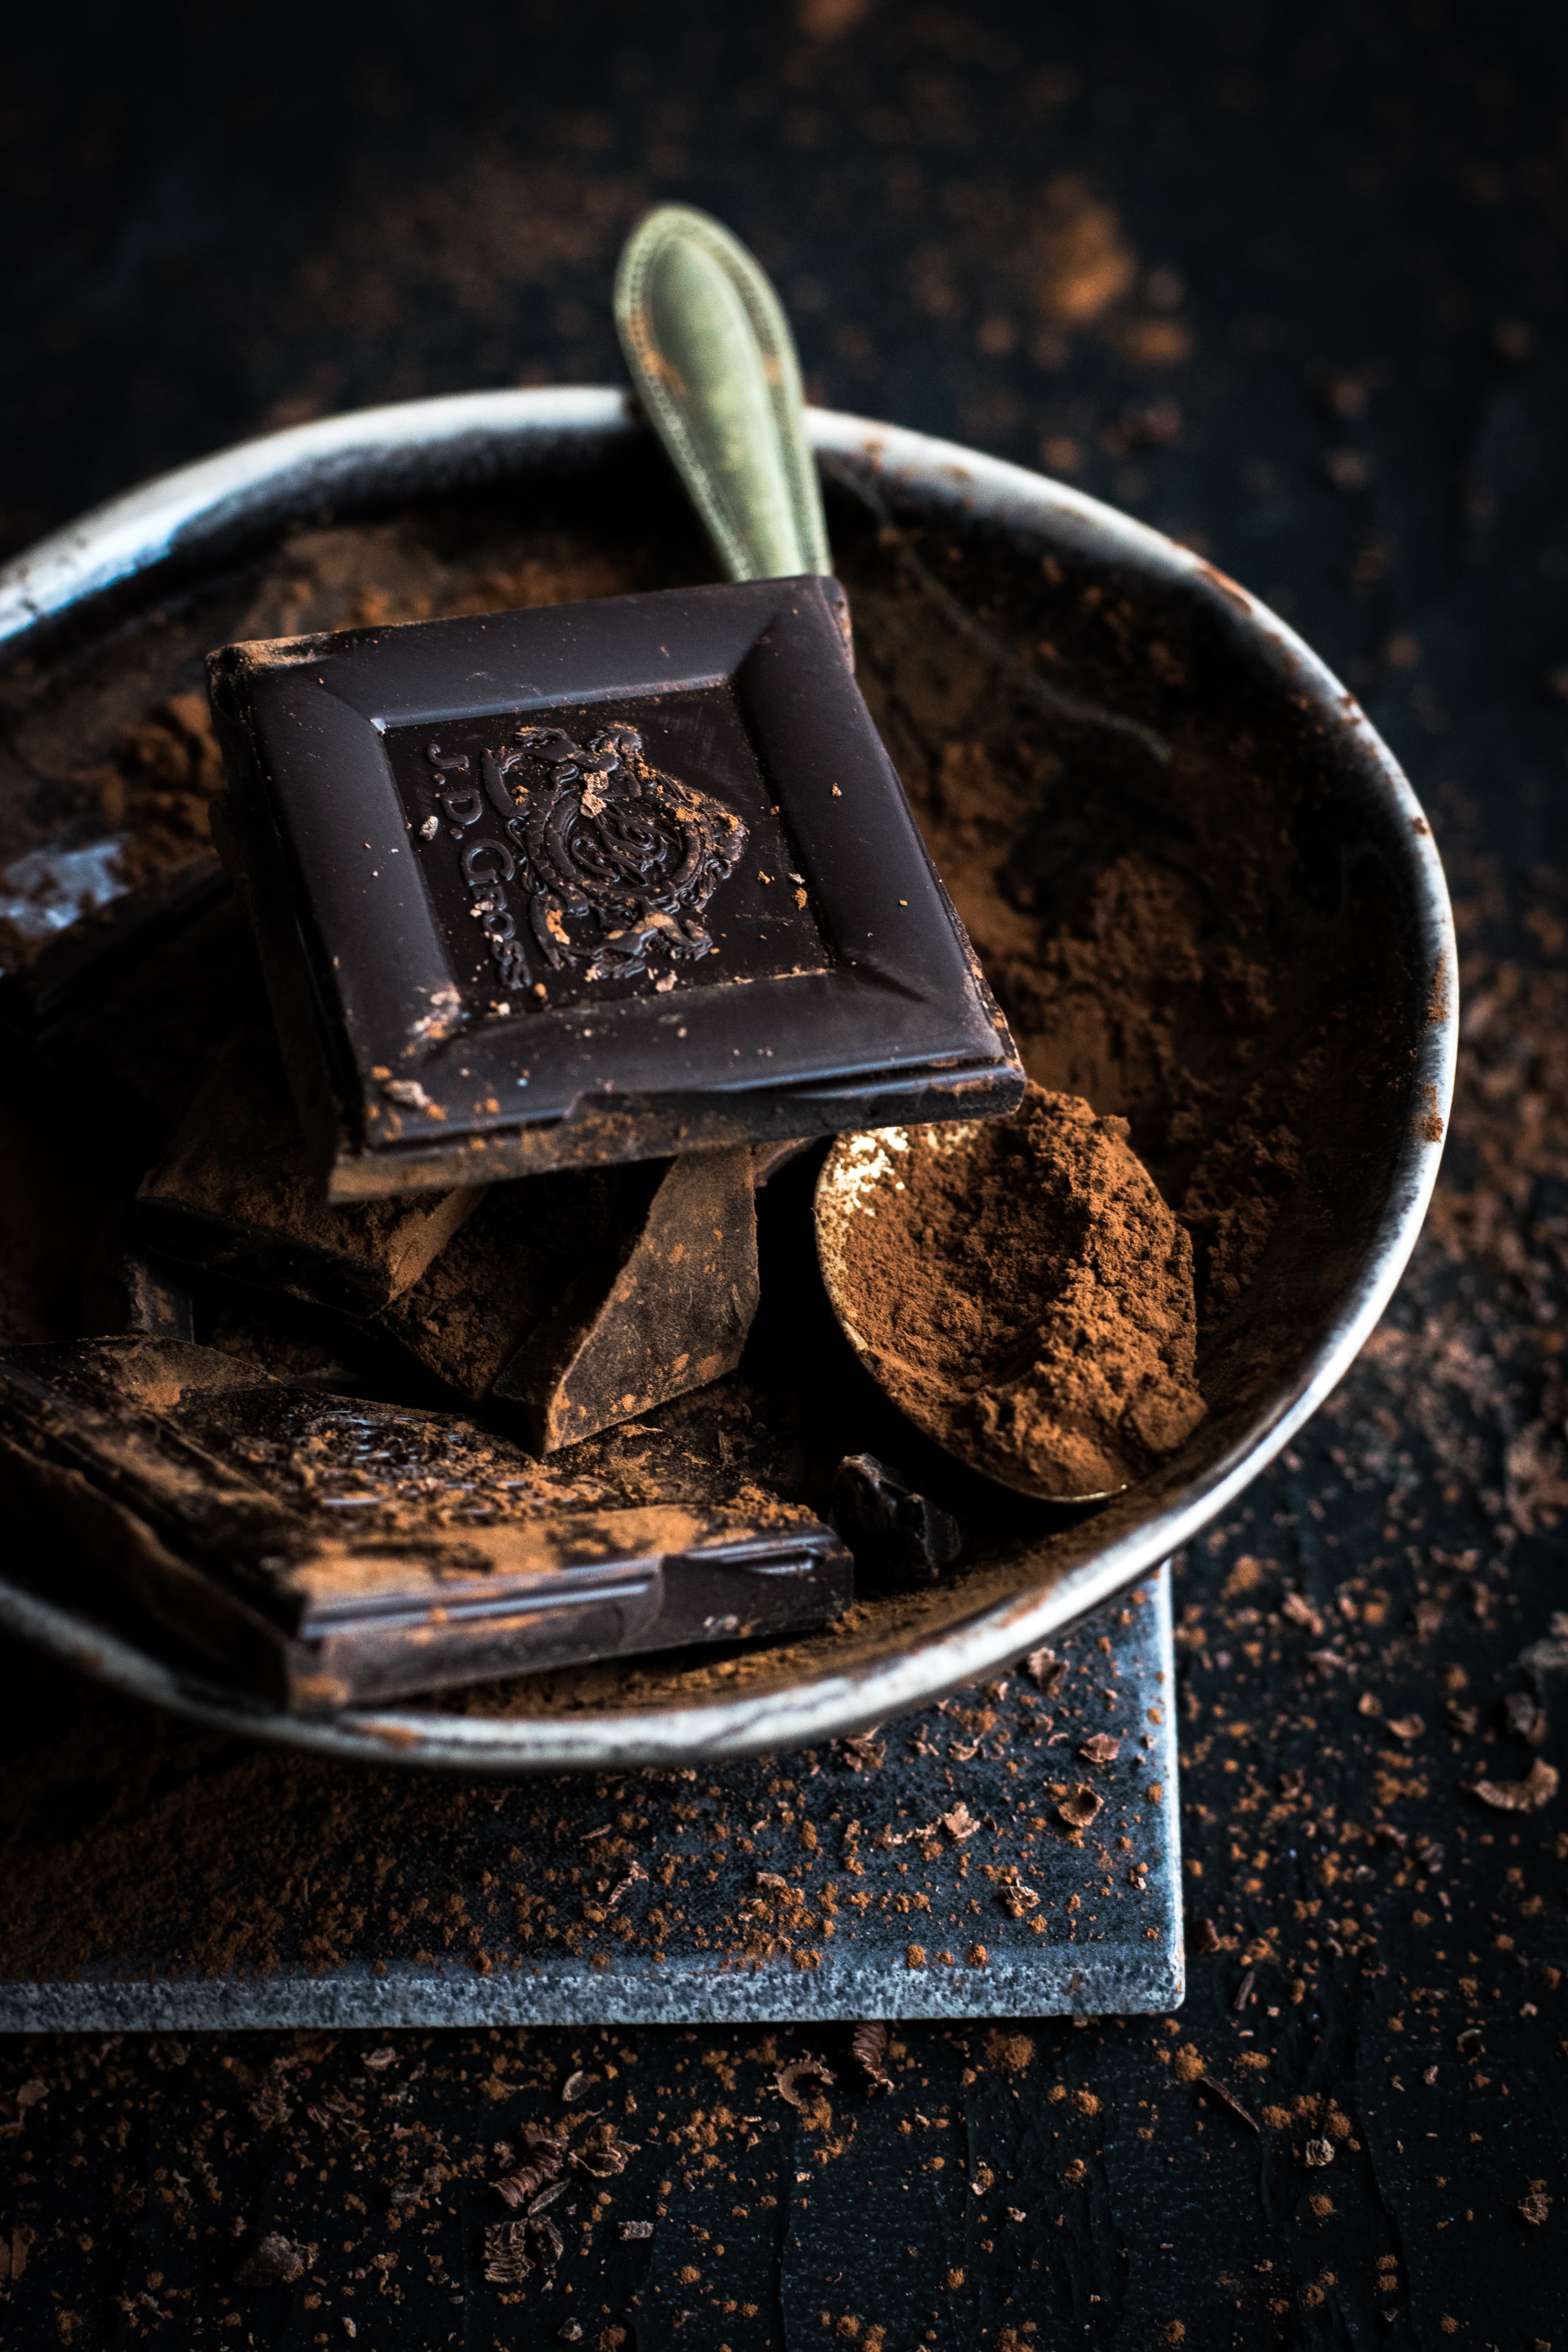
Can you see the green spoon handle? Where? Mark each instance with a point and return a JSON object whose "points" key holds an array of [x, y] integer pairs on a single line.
{"points": [[711, 355]]}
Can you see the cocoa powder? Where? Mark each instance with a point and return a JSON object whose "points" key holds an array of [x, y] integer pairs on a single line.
{"points": [[1027, 1298]]}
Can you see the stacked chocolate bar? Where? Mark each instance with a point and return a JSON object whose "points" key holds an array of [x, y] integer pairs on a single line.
{"points": [[571, 923]]}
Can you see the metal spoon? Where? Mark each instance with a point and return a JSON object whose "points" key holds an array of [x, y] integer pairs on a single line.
{"points": [[711, 353]]}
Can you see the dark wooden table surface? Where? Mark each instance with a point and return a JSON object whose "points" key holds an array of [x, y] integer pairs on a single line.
{"points": [[1288, 282]]}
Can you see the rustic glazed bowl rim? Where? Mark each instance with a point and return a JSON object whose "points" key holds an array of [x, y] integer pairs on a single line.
{"points": [[419, 447]]}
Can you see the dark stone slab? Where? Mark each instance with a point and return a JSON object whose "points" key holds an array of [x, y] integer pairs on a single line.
{"points": [[920, 1871]]}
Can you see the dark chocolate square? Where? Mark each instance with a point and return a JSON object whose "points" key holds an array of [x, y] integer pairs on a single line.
{"points": [[592, 881]]}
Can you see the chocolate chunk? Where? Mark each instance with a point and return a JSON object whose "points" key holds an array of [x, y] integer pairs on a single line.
{"points": [[591, 882], [325, 1550], [900, 1539], [236, 1194]]}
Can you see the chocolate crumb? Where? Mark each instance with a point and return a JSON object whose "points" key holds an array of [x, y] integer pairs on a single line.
{"points": [[1079, 1808], [271, 2261]]}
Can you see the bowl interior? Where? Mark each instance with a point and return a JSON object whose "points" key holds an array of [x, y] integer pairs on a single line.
{"points": [[1187, 872]]}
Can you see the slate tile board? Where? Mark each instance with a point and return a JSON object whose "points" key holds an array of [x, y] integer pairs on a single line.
{"points": [[156, 1876]]}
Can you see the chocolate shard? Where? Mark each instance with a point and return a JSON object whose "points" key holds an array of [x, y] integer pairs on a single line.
{"points": [[157, 1297], [324, 1551], [647, 884], [901, 1540], [235, 1193], [583, 1299], [673, 1315]]}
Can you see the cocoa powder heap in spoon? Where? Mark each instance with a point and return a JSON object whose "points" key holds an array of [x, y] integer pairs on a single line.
{"points": [[1020, 1289]]}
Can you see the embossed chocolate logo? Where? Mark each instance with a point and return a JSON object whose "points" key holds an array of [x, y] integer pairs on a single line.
{"points": [[608, 860]]}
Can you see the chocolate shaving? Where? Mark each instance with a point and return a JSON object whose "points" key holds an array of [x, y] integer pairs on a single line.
{"points": [[1046, 1669], [576, 2086], [270, 2106], [1204, 1936], [547, 2243], [602, 2160], [518, 2186], [870, 2044], [1227, 2099], [1318, 2152], [801, 2070], [1538, 1788], [1078, 1810], [1300, 1612], [1525, 1719], [1407, 1726], [507, 2262], [1100, 1748]]}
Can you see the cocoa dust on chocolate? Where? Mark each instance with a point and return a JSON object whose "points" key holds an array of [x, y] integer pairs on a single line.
{"points": [[1150, 959], [1027, 1298]]}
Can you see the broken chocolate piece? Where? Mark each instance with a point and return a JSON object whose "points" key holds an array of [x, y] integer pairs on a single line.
{"points": [[674, 1316], [130, 1006], [235, 1193], [591, 882], [900, 1540], [326, 1550], [585, 1299]]}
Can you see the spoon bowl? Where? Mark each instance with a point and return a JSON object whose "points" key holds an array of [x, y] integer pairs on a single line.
{"points": [[858, 1180]]}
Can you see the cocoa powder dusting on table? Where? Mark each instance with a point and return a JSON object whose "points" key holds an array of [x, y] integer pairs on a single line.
{"points": [[1029, 1297]]}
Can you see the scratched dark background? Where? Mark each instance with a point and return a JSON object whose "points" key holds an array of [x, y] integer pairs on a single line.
{"points": [[1287, 281]]}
